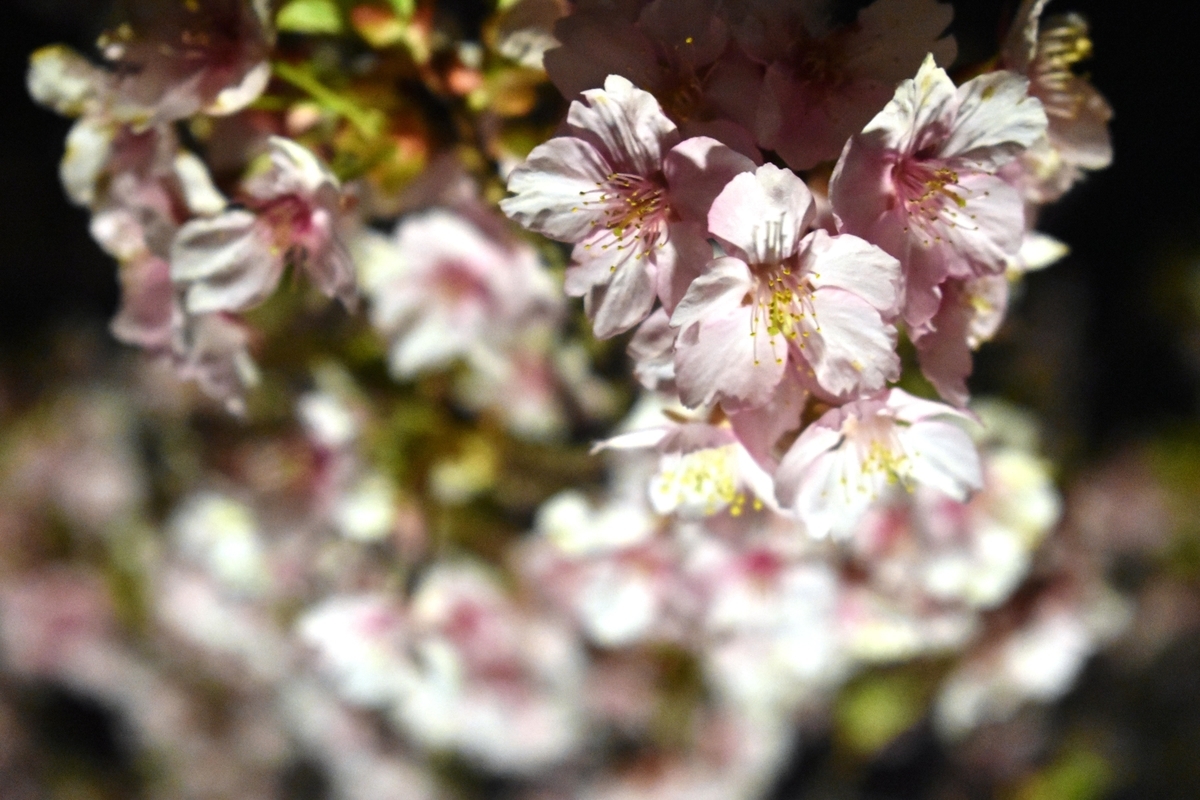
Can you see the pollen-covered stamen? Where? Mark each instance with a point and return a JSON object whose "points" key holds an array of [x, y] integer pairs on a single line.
{"points": [[879, 453], [706, 480], [933, 199], [1062, 44], [634, 212], [782, 299]]}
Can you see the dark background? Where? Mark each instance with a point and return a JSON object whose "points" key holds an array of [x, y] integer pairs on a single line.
{"points": [[1104, 346]]}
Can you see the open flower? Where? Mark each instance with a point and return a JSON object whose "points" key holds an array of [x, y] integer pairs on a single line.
{"points": [[608, 568], [166, 63], [822, 85], [630, 196], [920, 182], [782, 301], [678, 50], [172, 60], [975, 554], [703, 468], [234, 260], [846, 459], [499, 686], [1077, 137], [771, 619], [442, 289]]}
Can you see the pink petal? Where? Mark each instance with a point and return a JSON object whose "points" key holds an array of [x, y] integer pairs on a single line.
{"points": [[720, 289], [850, 263], [228, 262], [725, 363], [763, 214], [852, 351], [759, 429], [680, 260], [625, 300], [942, 347], [595, 46], [627, 124], [995, 120], [943, 457], [550, 186], [652, 349], [697, 170]]}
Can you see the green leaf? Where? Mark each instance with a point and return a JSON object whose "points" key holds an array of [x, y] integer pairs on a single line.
{"points": [[310, 16], [403, 8]]}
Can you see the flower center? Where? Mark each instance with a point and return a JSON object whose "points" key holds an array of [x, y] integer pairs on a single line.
{"points": [[934, 200], [634, 210], [704, 479], [783, 306], [879, 453]]}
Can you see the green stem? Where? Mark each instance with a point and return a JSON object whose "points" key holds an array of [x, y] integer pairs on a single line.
{"points": [[301, 78]]}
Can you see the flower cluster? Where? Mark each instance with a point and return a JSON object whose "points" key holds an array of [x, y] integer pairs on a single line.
{"points": [[782, 301], [404, 559]]}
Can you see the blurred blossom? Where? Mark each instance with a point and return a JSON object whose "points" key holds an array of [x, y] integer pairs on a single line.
{"points": [[1037, 662], [222, 536]]}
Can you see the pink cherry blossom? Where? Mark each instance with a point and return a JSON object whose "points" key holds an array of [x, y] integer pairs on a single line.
{"points": [[823, 84], [498, 685], [608, 568], [703, 468], [772, 619], [167, 63], [781, 301], [234, 260], [920, 182], [630, 196], [1038, 661], [927, 545], [172, 60], [442, 289], [1077, 137], [679, 51], [851, 455]]}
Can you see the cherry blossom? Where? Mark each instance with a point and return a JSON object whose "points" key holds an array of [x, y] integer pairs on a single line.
{"points": [[210, 349], [605, 565], [974, 553], [852, 454], [1077, 137], [703, 468], [497, 685], [632, 198], [234, 260], [773, 622], [441, 289], [823, 83], [172, 60], [358, 642], [783, 301], [1037, 661], [679, 51], [166, 63], [920, 180]]}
